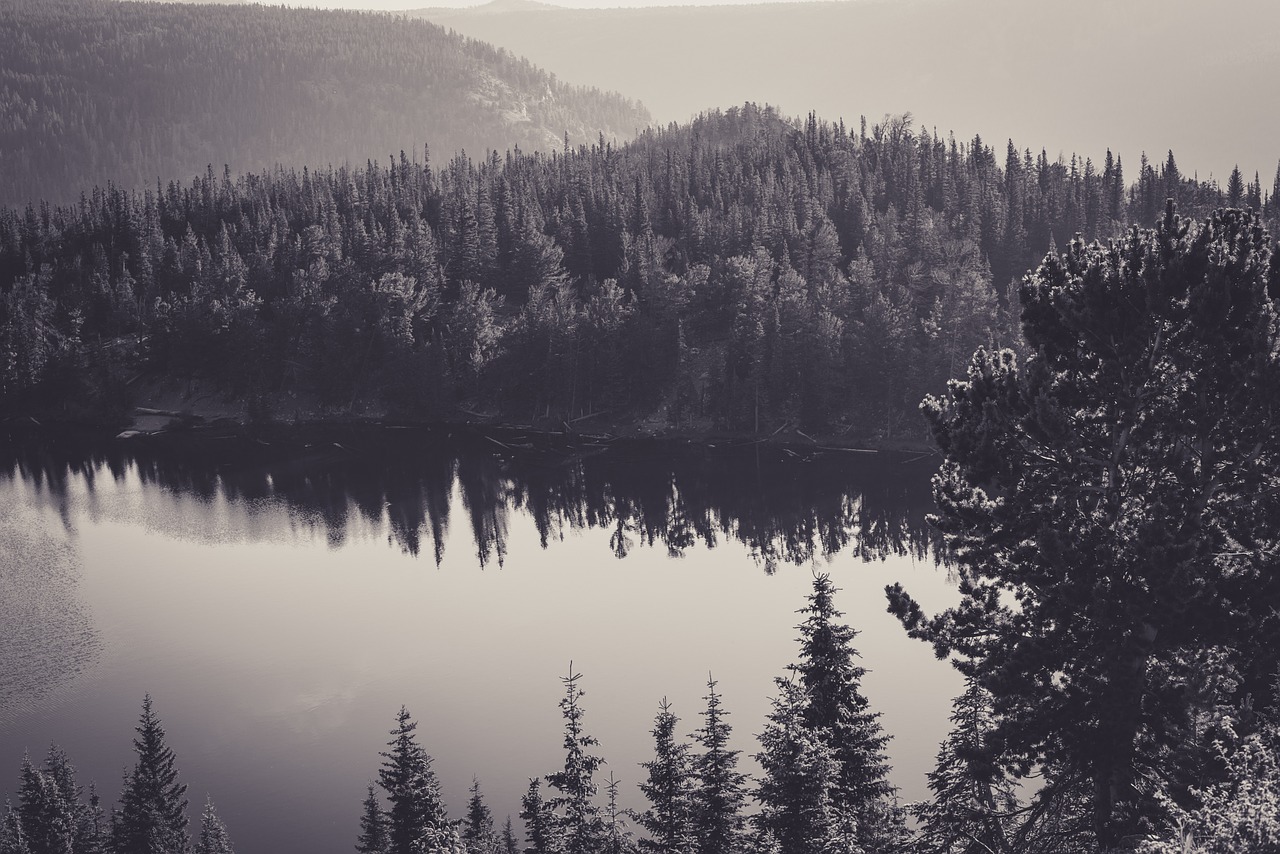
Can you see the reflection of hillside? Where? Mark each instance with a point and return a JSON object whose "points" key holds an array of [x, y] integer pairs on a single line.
{"points": [[785, 505]]}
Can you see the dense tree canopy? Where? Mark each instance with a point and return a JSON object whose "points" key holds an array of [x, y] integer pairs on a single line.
{"points": [[1110, 503], [738, 273]]}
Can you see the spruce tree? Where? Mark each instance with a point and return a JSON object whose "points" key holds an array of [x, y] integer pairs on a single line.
{"points": [[94, 835], [578, 825], [719, 789], [1275, 200], [973, 802], [373, 837], [800, 771], [834, 705], [416, 819], [13, 840], [539, 822], [48, 818], [152, 814], [1235, 188], [667, 789], [477, 827], [509, 845], [617, 839], [214, 838]]}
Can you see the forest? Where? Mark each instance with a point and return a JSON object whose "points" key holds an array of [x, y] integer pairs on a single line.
{"points": [[97, 91], [742, 273], [823, 785], [1109, 483]]}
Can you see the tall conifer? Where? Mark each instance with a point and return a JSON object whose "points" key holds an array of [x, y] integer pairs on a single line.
{"points": [[578, 824], [152, 814], [477, 827], [416, 819], [373, 837], [214, 838], [667, 788], [719, 788]]}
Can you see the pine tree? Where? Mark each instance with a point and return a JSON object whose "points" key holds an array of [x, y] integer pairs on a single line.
{"points": [[800, 771], [1235, 188], [373, 837], [539, 821], [152, 814], [973, 799], [94, 835], [508, 844], [578, 826], [416, 820], [477, 827], [719, 792], [214, 838], [1110, 506], [1275, 195], [617, 839], [835, 706], [667, 789], [48, 818], [12, 838]]}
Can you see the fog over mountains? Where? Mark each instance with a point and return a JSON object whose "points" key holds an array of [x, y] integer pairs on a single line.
{"points": [[1141, 75]]}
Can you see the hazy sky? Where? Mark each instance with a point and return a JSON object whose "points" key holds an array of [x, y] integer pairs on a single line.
{"points": [[568, 4]]}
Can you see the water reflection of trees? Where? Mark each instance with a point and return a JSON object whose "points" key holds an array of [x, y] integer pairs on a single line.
{"points": [[783, 504]]}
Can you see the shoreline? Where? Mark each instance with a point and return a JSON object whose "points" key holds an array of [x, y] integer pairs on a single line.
{"points": [[152, 424]]}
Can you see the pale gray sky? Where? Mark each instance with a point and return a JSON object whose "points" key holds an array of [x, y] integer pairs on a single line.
{"points": [[397, 5]]}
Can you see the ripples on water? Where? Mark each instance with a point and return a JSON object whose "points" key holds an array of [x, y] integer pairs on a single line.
{"points": [[49, 639]]}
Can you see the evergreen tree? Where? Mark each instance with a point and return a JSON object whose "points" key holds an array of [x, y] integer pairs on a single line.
{"points": [[835, 706], [508, 843], [214, 838], [719, 792], [416, 820], [68, 808], [578, 825], [48, 818], [1109, 504], [800, 771], [1235, 188], [152, 815], [668, 789], [12, 838], [477, 827], [94, 836], [539, 821], [617, 839], [973, 801], [373, 827], [1275, 197]]}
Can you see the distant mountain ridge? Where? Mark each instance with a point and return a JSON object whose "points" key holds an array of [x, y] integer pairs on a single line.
{"points": [[1140, 75], [97, 91]]}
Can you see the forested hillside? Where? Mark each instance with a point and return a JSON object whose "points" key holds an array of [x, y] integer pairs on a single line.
{"points": [[1078, 76], [738, 273], [96, 91]]}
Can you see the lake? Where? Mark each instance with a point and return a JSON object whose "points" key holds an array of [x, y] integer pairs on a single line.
{"points": [[280, 599]]}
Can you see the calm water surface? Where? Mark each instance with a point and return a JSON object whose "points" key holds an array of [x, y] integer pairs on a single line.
{"points": [[281, 601]]}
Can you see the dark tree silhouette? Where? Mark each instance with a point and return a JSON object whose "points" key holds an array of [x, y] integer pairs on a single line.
{"points": [[1109, 504], [152, 814]]}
